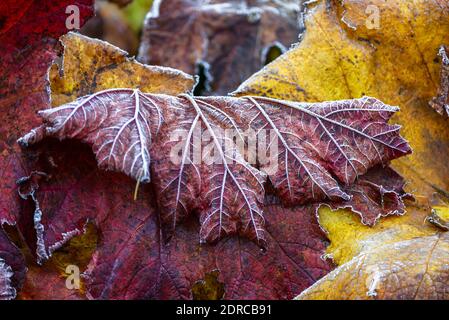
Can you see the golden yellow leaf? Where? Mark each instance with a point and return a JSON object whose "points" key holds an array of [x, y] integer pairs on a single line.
{"points": [[409, 269], [386, 49], [91, 65]]}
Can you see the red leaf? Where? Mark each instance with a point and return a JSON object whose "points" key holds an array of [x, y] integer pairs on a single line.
{"points": [[320, 146], [378, 193], [133, 261], [28, 41]]}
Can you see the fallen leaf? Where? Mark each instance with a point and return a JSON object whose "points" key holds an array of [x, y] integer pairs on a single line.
{"points": [[77, 192], [222, 41], [133, 133], [410, 269], [28, 39], [132, 260], [91, 65], [379, 193], [343, 55], [131, 254]]}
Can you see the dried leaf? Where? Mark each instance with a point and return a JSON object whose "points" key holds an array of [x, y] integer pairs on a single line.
{"points": [[91, 65], [379, 193], [223, 41]]}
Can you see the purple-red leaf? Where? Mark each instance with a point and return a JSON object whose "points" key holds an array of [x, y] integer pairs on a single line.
{"points": [[29, 32], [132, 259], [314, 150]]}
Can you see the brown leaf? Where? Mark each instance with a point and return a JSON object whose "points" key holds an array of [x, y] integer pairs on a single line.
{"points": [[225, 41], [319, 146]]}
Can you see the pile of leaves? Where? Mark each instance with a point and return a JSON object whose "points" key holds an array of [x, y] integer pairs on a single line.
{"points": [[87, 148]]}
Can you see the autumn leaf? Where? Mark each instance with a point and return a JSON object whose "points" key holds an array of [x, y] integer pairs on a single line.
{"points": [[295, 242], [132, 261], [396, 63], [132, 132], [401, 258], [333, 152], [410, 269], [91, 65], [216, 38], [28, 37]]}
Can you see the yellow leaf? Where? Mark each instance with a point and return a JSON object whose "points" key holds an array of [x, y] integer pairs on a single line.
{"points": [[348, 237], [91, 65], [386, 49], [410, 269]]}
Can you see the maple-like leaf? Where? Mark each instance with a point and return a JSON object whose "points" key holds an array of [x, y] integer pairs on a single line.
{"points": [[216, 38], [76, 192], [320, 146], [133, 261], [28, 41]]}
